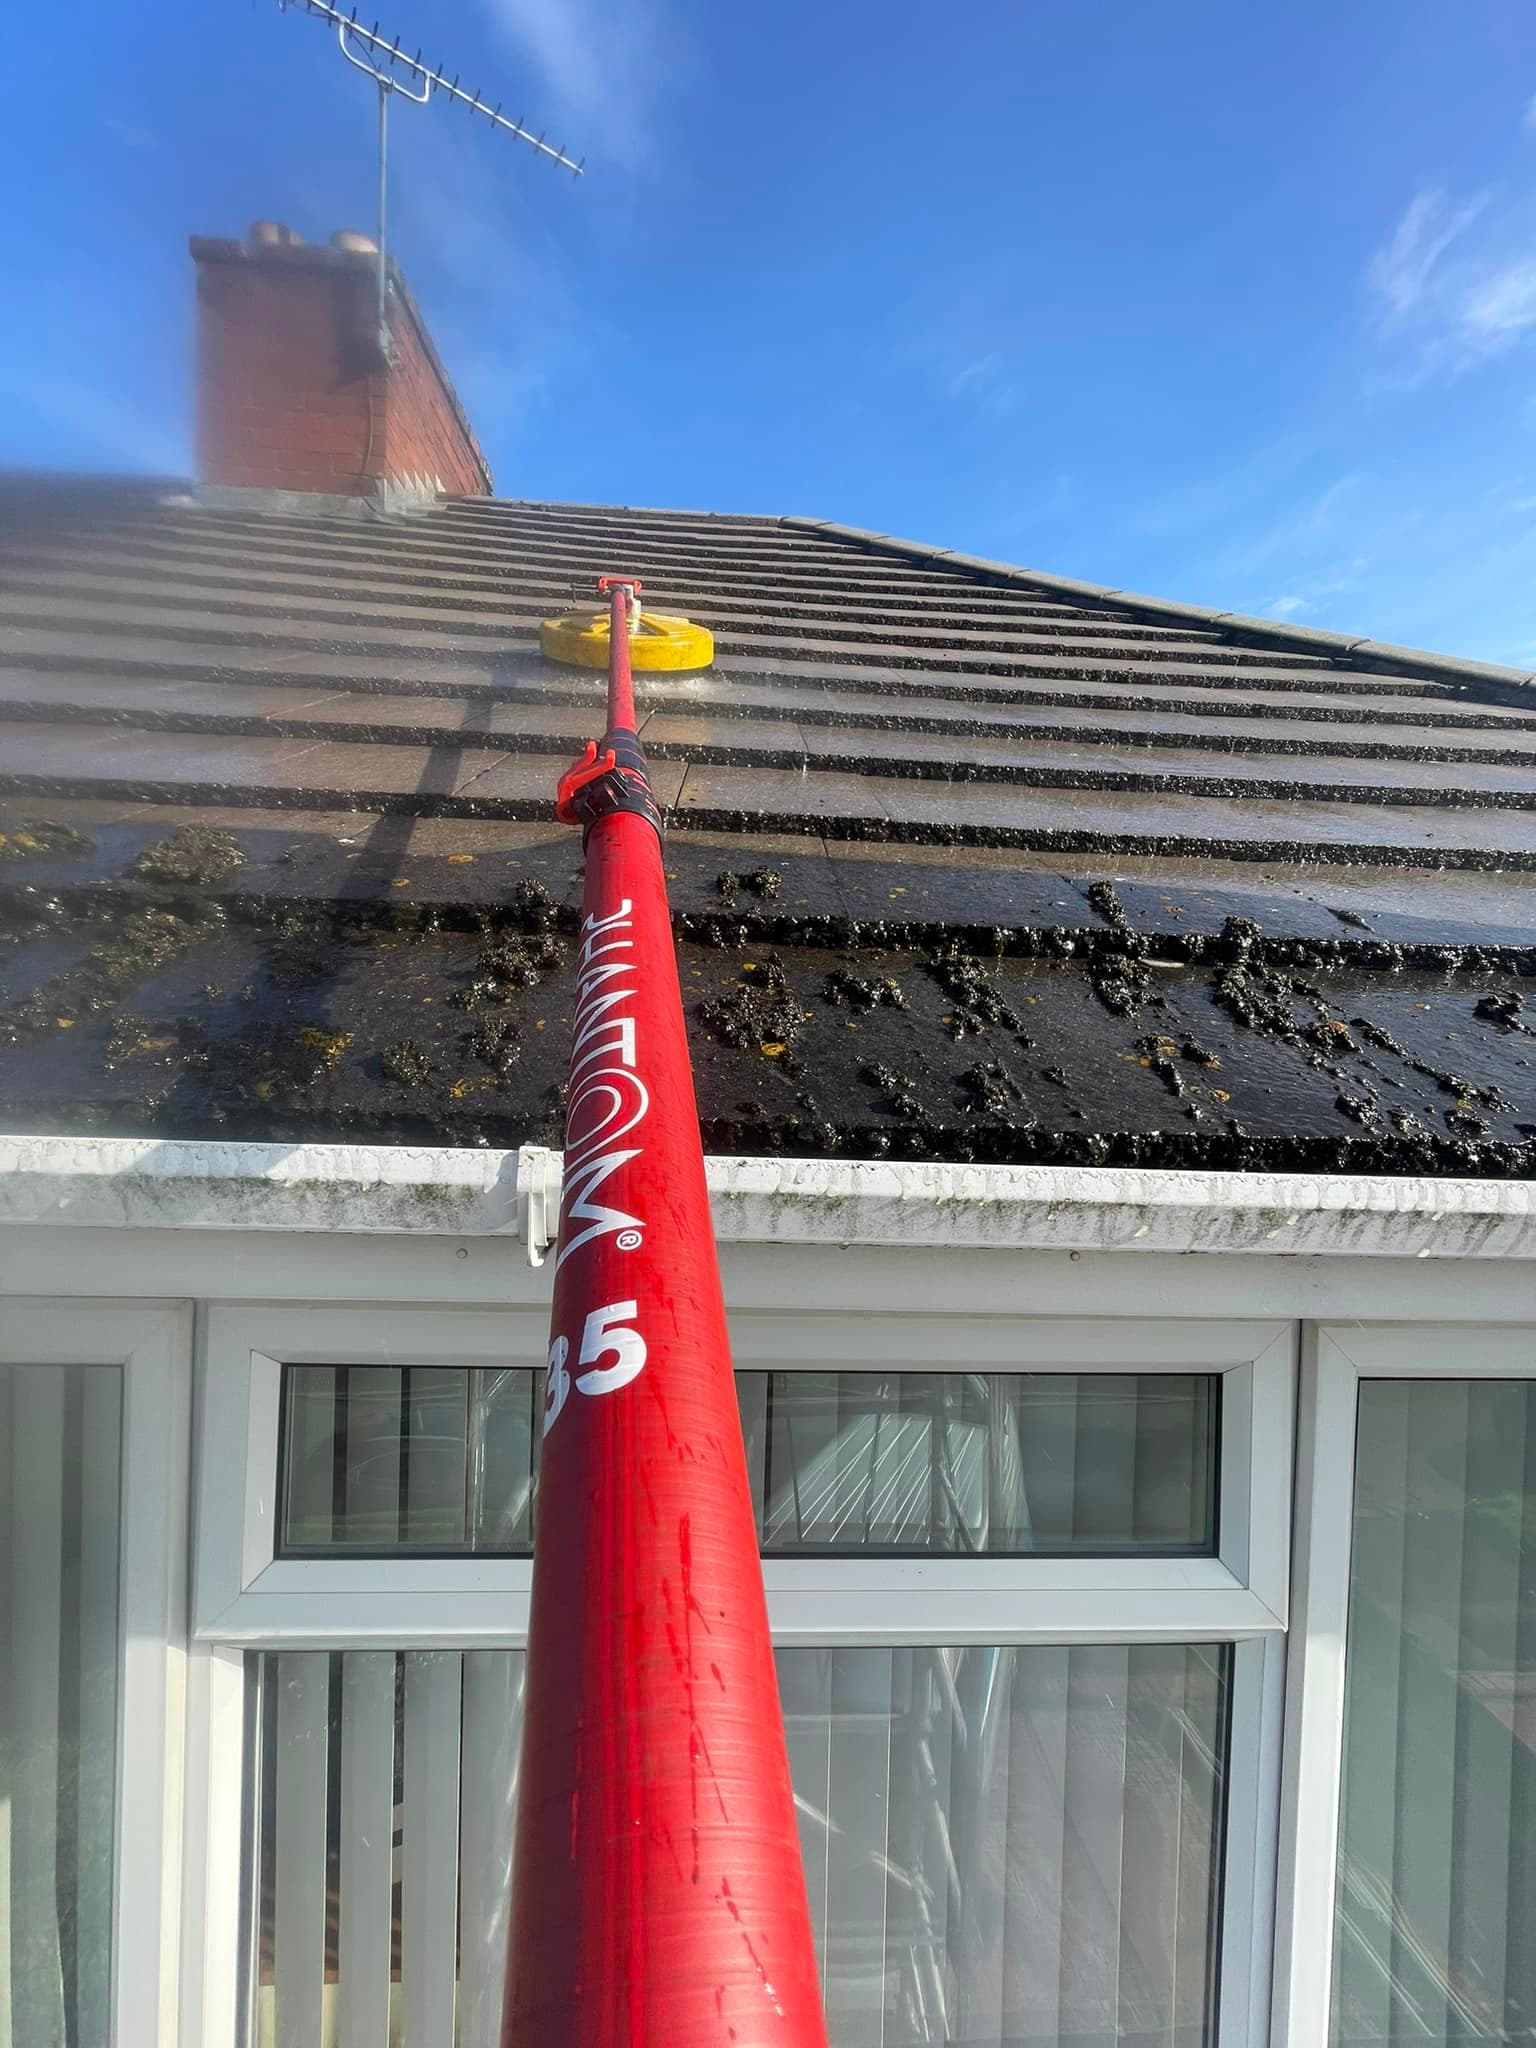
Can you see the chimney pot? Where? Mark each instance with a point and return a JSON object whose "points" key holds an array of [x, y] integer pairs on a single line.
{"points": [[356, 241], [274, 234]]}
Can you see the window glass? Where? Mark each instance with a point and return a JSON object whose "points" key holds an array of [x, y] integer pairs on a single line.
{"points": [[1003, 1846], [1435, 1938], [60, 1454], [981, 1462], [383, 1458]]}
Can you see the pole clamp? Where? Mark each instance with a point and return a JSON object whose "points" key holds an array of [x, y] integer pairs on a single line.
{"points": [[631, 587], [609, 777]]}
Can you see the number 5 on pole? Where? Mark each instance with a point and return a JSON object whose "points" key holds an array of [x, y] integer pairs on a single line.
{"points": [[605, 1332]]}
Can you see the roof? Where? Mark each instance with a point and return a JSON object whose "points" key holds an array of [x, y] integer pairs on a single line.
{"points": [[968, 861]]}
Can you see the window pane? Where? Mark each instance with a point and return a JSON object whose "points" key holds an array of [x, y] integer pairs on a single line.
{"points": [[1005, 1848], [380, 1458], [60, 1453], [981, 1462], [1436, 1900]]}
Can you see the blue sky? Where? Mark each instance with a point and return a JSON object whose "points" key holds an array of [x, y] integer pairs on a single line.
{"points": [[1221, 302]]}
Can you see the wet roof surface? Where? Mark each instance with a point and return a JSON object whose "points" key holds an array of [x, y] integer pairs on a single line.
{"points": [[962, 866]]}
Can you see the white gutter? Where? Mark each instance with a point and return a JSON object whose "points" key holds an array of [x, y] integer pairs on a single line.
{"points": [[129, 1183]]}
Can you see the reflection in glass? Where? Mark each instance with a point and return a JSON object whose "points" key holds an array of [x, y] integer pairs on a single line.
{"points": [[380, 1458], [1004, 1847], [383, 1457], [1011, 1846], [970, 1463], [60, 1451], [1435, 1913]]}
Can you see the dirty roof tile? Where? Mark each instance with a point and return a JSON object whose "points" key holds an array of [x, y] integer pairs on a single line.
{"points": [[1051, 872]]}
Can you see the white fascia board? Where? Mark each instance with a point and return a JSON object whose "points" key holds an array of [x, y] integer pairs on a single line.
{"points": [[441, 1192], [1087, 1208], [146, 1183]]}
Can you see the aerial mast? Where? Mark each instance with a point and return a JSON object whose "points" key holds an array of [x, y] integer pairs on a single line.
{"points": [[392, 72]]}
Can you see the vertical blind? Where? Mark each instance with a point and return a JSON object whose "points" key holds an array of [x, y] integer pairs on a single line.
{"points": [[60, 1451], [1011, 1846], [1435, 1938], [388, 1457], [1003, 1846], [387, 1784], [380, 1458]]}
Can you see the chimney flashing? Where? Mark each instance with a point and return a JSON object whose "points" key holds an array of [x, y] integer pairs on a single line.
{"points": [[395, 498]]}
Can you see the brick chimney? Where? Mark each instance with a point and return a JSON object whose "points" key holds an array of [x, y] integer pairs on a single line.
{"points": [[294, 391]]}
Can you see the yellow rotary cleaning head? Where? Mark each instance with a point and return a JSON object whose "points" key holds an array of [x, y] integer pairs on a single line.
{"points": [[581, 639]]}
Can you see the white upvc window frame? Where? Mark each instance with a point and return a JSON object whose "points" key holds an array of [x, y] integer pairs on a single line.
{"points": [[151, 1343], [248, 1597], [1335, 1359], [246, 1593], [243, 1592]]}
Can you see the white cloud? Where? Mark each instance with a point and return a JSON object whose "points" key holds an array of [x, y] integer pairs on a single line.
{"points": [[1300, 558], [1404, 271], [1503, 304], [1455, 287], [983, 382], [1323, 516], [602, 66], [971, 373], [1447, 568]]}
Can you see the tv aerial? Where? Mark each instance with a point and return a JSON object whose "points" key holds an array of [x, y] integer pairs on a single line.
{"points": [[393, 71]]}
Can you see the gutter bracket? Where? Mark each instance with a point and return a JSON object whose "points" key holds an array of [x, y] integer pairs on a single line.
{"points": [[535, 1177]]}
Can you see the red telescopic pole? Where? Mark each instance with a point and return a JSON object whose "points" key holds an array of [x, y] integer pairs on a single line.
{"points": [[658, 1893]]}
